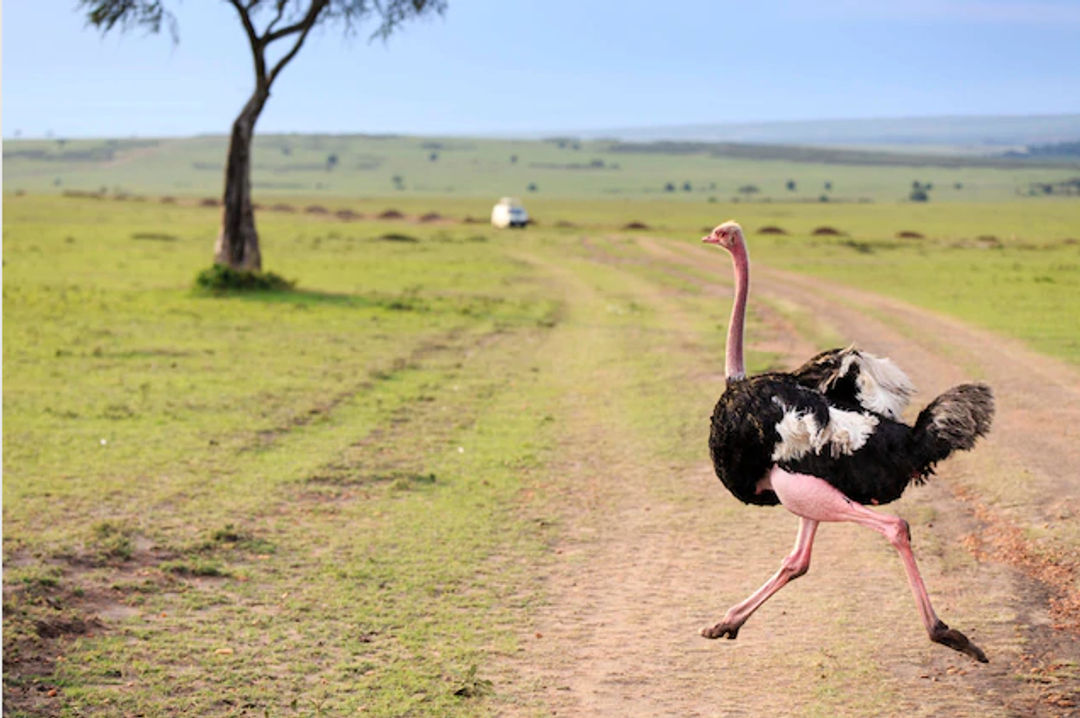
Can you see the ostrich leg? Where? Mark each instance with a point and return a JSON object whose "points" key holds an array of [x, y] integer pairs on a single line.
{"points": [[814, 498], [795, 564]]}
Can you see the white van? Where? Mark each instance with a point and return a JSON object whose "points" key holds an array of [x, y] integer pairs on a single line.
{"points": [[508, 212]]}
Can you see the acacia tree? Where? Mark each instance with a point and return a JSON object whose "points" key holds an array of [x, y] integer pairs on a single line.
{"points": [[265, 22]]}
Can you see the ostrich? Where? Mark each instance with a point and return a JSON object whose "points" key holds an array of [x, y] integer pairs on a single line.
{"points": [[827, 439]]}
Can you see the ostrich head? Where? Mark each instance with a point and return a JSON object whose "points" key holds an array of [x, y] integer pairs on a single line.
{"points": [[727, 235]]}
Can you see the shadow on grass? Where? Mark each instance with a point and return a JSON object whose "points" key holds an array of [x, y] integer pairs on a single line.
{"points": [[311, 298]]}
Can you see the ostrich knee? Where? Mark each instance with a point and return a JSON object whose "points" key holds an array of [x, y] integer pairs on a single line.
{"points": [[794, 565], [898, 532]]}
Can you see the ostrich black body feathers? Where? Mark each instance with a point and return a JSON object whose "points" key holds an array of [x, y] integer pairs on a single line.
{"points": [[837, 418]]}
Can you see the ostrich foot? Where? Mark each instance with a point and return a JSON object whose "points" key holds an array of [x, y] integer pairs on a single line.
{"points": [[957, 641], [724, 628]]}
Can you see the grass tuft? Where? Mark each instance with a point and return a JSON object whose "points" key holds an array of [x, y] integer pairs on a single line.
{"points": [[473, 686], [221, 278]]}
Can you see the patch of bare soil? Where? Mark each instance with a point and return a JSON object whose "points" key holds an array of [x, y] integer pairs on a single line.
{"points": [[826, 232], [87, 592]]}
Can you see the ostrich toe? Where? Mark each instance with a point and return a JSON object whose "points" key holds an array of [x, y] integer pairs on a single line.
{"points": [[722, 629], [957, 641]]}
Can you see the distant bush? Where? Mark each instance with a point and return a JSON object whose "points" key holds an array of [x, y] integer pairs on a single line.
{"points": [[1058, 149], [790, 185], [532, 187], [160, 236], [669, 187], [749, 189], [397, 237], [687, 187], [221, 278], [919, 195]]}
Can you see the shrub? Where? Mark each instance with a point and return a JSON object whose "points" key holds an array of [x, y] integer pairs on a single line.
{"points": [[221, 278]]}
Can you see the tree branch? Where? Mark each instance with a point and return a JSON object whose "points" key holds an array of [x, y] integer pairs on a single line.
{"points": [[313, 14], [302, 25], [257, 44], [280, 12]]}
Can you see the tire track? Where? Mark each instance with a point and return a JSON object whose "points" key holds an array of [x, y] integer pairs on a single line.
{"points": [[1009, 502], [650, 550]]}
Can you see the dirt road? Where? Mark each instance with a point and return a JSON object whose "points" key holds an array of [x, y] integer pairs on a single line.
{"points": [[651, 547]]}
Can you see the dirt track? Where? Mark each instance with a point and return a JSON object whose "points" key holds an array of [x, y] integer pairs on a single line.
{"points": [[651, 551]]}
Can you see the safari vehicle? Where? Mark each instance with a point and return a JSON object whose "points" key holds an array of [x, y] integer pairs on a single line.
{"points": [[508, 212]]}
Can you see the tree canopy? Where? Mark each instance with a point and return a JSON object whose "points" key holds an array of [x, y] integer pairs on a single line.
{"points": [[265, 22], [286, 16]]}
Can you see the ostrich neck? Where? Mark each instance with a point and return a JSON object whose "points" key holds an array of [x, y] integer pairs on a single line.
{"points": [[734, 367]]}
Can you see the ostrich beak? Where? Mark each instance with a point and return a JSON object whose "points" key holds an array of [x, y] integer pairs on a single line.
{"points": [[711, 239]]}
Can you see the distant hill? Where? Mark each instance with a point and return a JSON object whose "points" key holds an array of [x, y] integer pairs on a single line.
{"points": [[976, 134], [344, 166]]}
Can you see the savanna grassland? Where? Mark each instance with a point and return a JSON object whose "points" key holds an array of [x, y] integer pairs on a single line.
{"points": [[388, 490], [320, 167]]}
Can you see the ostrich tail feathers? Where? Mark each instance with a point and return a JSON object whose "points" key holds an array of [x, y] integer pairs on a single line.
{"points": [[954, 420]]}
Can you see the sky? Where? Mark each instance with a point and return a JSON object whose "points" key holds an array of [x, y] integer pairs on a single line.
{"points": [[523, 67]]}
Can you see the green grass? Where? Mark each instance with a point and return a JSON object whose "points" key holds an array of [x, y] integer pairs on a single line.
{"points": [[147, 423], [314, 500]]}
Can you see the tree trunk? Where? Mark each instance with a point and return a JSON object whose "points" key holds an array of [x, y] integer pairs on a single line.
{"points": [[237, 244]]}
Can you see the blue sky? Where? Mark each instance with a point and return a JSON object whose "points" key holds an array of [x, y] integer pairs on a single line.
{"points": [[518, 67]]}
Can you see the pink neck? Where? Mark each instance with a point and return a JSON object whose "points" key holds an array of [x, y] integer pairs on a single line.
{"points": [[734, 367]]}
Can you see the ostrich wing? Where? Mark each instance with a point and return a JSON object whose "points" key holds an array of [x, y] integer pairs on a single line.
{"points": [[854, 379]]}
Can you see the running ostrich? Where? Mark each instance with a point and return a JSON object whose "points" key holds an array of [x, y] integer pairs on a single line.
{"points": [[827, 439]]}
